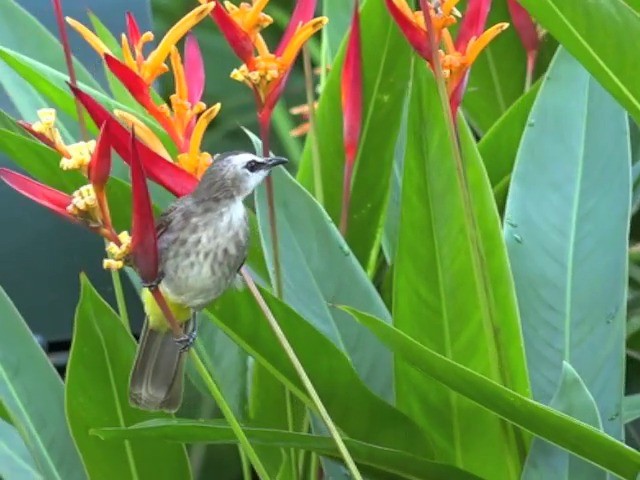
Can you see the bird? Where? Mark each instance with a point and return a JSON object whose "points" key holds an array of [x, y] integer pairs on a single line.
{"points": [[202, 243]]}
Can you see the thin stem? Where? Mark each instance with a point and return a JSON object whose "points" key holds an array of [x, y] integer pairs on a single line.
{"points": [[166, 311], [265, 123], [313, 394], [68, 58], [293, 457], [312, 135], [228, 414], [314, 466], [246, 465], [120, 300]]}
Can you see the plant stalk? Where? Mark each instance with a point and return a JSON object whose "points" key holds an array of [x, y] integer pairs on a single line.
{"points": [[306, 381], [120, 300], [264, 119], [312, 135], [228, 414]]}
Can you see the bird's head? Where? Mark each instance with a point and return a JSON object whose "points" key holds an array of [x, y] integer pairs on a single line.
{"points": [[234, 175]]}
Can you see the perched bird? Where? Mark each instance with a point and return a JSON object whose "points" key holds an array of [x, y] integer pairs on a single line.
{"points": [[202, 243]]}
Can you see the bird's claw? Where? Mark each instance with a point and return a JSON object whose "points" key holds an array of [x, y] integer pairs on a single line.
{"points": [[185, 341]]}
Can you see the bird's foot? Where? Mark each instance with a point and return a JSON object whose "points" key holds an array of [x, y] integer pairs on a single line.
{"points": [[185, 341]]}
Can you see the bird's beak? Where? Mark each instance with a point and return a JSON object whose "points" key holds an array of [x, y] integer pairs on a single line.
{"points": [[271, 162]]}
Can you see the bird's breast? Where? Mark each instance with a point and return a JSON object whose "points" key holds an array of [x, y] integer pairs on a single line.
{"points": [[201, 252]]}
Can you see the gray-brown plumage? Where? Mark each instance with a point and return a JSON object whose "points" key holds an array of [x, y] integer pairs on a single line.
{"points": [[202, 243]]}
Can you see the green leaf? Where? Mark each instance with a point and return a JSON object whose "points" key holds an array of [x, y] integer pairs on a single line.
{"points": [[7, 122], [311, 253], [386, 56], [499, 146], [602, 35], [339, 13], [100, 360], [32, 393], [450, 248], [15, 461], [334, 377], [548, 461], [19, 30], [383, 460], [573, 173], [558, 428]]}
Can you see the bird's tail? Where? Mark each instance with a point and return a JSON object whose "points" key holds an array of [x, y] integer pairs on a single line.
{"points": [[157, 376]]}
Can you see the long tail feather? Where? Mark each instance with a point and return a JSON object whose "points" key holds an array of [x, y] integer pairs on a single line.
{"points": [[157, 376]]}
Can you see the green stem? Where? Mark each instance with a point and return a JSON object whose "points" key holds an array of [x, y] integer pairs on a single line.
{"points": [[246, 465], [304, 378], [312, 135], [228, 415], [120, 300], [293, 458], [313, 466]]}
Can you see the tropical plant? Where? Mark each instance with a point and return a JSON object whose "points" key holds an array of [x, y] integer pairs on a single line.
{"points": [[442, 285]]}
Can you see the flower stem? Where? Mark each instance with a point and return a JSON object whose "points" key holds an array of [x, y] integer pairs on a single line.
{"points": [[531, 64], [228, 414], [264, 120], [64, 39], [346, 198], [312, 135], [306, 381], [120, 300], [246, 465]]}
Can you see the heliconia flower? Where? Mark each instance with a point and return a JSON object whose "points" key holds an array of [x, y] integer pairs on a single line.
{"points": [[457, 58], [527, 31], [144, 247], [143, 132], [266, 72], [352, 85], [37, 135], [159, 169], [412, 23], [99, 172], [151, 66]]}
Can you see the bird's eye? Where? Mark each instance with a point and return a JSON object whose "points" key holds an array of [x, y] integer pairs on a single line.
{"points": [[252, 166]]}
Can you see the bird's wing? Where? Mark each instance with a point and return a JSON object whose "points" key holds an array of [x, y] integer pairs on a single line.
{"points": [[165, 218]]}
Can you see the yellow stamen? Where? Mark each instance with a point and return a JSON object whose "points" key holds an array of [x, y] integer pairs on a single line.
{"points": [[90, 37], [143, 132], [476, 46], [80, 156], [46, 127], [127, 55], [201, 126], [302, 34], [154, 62], [113, 265], [84, 203], [178, 74]]}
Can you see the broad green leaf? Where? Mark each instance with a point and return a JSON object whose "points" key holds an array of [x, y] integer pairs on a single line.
{"points": [[331, 372], [556, 427], [9, 123], [497, 77], [499, 146], [383, 460], [548, 461], [602, 35], [32, 394], [312, 252], [572, 173], [631, 408], [19, 30], [386, 56], [97, 396], [450, 248], [339, 13], [15, 461]]}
